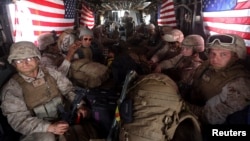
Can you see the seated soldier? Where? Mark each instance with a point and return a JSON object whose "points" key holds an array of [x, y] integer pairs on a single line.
{"points": [[146, 45], [30, 99], [172, 48], [153, 40], [181, 67], [85, 70], [221, 84], [102, 40], [58, 53], [141, 33]]}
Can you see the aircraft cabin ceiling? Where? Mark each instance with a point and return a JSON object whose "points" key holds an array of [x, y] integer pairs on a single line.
{"points": [[105, 5]]}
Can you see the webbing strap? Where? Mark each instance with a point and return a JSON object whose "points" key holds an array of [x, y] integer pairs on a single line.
{"points": [[183, 116]]}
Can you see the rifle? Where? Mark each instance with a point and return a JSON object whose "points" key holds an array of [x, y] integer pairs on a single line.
{"points": [[116, 121], [70, 116]]}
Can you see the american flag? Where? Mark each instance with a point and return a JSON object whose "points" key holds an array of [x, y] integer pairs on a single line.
{"points": [[70, 8], [87, 17], [166, 16], [30, 18], [228, 16]]}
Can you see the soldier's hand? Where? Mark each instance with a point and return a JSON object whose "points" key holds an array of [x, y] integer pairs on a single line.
{"points": [[72, 49], [58, 128]]}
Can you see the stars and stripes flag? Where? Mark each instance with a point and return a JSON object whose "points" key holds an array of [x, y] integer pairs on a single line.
{"points": [[30, 18], [166, 14], [87, 17], [227, 16]]}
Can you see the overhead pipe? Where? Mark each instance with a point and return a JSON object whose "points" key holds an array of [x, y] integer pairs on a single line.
{"points": [[115, 6], [130, 5]]}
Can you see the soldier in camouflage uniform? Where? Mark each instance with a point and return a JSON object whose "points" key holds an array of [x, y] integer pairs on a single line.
{"points": [[181, 67], [173, 39], [221, 84], [58, 53], [31, 97]]}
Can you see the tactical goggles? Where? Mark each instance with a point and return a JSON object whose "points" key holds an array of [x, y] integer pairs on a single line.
{"points": [[224, 40], [22, 61]]}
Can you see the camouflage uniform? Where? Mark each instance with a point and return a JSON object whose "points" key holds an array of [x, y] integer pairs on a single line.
{"points": [[53, 55], [169, 50], [218, 93], [30, 103], [185, 66], [14, 106]]}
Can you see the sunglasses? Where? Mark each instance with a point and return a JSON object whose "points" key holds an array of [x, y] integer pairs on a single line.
{"points": [[87, 39], [224, 40], [22, 61]]}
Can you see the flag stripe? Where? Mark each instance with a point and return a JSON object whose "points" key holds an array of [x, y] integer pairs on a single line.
{"points": [[87, 17], [232, 13], [234, 21], [242, 4], [237, 28], [40, 16], [167, 14], [244, 35], [53, 24], [39, 32]]}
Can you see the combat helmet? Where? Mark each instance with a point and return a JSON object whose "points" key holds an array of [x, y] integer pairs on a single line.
{"points": [[230, 42], [45, 39], [82, 31], [173, 36], [22, 50], [66, 39], [194, 41]]}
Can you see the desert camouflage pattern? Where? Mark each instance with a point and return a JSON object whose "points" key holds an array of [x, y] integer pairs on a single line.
{"points": [[194, 41], [184, 67], [156, 110], [166, 52], [220, 92], [88, 74], [22, 50], [14, 106]]}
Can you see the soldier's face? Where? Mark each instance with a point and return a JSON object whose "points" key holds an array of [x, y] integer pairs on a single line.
{"points": [[219, 58], [187, 51], [86, 40], [27, 66]]}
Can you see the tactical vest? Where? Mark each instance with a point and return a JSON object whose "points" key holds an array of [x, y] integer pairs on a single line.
{"points": [[41, 96], [157, 110], [84, 52], [210, 83]]}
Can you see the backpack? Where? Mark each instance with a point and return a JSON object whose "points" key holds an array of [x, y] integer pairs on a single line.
{"points": [[88, 74], [158, 111], [102, 103]]}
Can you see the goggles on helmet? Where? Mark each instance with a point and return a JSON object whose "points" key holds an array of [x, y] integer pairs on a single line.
{"points": [[224, 40]]}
